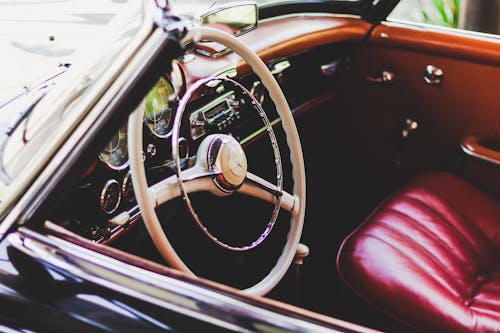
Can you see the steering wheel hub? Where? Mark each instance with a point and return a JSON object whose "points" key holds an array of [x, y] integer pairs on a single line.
{"points": [[226, 155]]}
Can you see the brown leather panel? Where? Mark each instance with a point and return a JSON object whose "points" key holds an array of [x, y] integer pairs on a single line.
{"points": [[280, 38], [484, 174], [466, 103], [482, 163], [480, 49]]}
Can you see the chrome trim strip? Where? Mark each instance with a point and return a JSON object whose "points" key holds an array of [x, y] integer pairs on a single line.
{"points": [[202, 302], [229, 72], [259, 132], [107, 272], [479, 156], [436, 28], [102, 197]]}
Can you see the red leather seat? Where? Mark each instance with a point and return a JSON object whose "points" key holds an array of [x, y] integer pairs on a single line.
{"points": [[429, 256]]}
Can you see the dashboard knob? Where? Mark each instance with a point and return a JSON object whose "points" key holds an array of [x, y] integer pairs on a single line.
{"points": [[151, 150]]}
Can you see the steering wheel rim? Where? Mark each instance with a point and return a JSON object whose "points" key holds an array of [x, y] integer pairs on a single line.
{"points": [[147, 200]]}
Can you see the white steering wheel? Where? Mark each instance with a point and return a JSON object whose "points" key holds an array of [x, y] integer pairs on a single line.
{"points": [[221, 169]]}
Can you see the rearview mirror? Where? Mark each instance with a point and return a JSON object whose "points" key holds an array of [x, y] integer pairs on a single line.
{"points": [[235, 18]]}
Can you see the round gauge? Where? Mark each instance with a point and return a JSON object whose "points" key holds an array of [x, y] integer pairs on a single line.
{"points": [[110, 196], [128, 188], [115, 153], [183, 147], [157, 112]]}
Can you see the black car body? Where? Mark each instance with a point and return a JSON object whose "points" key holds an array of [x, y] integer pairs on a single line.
{"points": [[75, 255]]}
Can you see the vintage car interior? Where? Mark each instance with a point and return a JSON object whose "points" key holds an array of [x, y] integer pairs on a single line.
{"points": [[397, 147]]}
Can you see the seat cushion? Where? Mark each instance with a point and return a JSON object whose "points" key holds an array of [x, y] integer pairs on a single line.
{"points": [[429, 256]]}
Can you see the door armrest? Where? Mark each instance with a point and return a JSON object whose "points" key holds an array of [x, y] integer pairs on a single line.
{"points": [[473, 146]]}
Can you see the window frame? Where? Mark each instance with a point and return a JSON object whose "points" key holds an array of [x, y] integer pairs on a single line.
{"points": [[370, 10]]}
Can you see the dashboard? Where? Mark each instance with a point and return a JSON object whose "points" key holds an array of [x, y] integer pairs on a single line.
{"points": [[105, 193]]}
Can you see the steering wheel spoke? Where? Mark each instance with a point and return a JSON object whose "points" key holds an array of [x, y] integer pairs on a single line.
{"points": [[196, 179], [260, 188]]}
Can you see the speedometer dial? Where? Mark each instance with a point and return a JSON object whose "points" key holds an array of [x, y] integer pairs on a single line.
{"points": [[157, 111], [115, 153]]}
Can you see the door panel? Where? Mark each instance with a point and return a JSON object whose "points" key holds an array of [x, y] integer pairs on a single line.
{"points": [[453, 43], [467, 102]]}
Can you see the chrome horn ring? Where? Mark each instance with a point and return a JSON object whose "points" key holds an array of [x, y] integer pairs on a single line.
{"points": [[226, 160]]}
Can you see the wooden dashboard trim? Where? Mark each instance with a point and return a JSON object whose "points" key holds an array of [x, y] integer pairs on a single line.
{"points": [[280, 38], [428, 39]]}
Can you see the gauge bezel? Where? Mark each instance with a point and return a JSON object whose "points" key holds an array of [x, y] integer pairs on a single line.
{"points": [[112, 167], [171, 110], [124, 187], [123, 165], [102, 196], [183, 140]]}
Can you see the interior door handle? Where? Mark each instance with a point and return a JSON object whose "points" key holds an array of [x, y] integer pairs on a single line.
{"points": [[472, 146]]}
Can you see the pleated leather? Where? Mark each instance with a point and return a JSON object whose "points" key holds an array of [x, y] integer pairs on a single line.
{"points": [[429, 256]]}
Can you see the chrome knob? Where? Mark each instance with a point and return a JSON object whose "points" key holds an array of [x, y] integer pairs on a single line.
{"points": [[410, 125], [433, 75], [151, 150]]}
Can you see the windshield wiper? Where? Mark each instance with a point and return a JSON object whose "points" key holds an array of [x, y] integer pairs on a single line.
{"points": [[28, 90], [38, 85]]}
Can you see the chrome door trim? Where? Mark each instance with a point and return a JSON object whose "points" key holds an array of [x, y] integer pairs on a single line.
{"points": [[198, 301], [435, 28]]}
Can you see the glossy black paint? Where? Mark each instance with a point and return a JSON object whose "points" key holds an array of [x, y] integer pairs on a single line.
{"points": [[41, 298]]}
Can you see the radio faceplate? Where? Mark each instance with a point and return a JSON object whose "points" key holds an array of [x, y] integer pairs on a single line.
{"points": [[216, 115]]}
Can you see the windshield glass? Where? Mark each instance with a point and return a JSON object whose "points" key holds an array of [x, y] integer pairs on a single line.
{"points": [[52, 54], [39, 40], [36, 36]]}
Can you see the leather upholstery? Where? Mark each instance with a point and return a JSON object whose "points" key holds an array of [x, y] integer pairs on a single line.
{"points": [[434, 41], [429, 256]]}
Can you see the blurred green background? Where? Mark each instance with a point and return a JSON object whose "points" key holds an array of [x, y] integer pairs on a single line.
{"points": [[475, 15]]}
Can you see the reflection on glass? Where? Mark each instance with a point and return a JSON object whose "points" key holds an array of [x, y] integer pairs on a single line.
{"points": [[157, 111], [234, 20]]}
